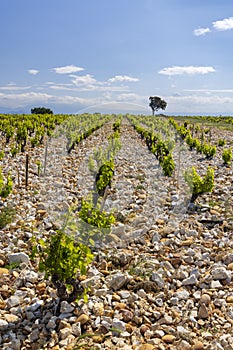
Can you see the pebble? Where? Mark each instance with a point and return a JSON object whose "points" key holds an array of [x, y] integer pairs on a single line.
{"points": [[198, 346], [127, 315], [203, 312], [83, 319], [4, 271], [168, 338], [205, 299], [229, 299], [215, 285], [124, 294], [145, 347], [98, 309]]}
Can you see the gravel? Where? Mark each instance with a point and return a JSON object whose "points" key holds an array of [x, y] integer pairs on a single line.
{"points": [[163, 277]]}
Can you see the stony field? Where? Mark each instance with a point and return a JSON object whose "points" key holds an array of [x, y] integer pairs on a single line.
{"points": [[163, 279]]}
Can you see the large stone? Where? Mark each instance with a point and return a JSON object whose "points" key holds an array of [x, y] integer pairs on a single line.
{"points": [[127, 315], [14, 300], [76, 329], [15, 344], [191, 280], [118, 281], [182, 294], [11, 318], [66, 307], [166, 230], [3, 325], [90, 282], [98, 309], [203, 312], [215, 285], [220, 273], [18, 258], [35, 306], [118, 326], [65, 332], [52, 324], [168, 338], [34, 335], [155, 277], [31, 276]]}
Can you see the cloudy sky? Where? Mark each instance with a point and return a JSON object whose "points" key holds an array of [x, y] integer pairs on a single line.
{"points": [[75, 56]]}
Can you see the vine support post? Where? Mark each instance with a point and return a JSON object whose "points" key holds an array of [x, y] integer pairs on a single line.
{"points": [[104, 198], [18, 177], [26, 170], [178, 165], [45, 158]]}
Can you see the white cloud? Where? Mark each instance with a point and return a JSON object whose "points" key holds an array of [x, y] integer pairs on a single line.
{"points": [[210, 90], [199, 104], [191, 103], [30, 98], [83, 79], [122, 107], [121, 78], [201, 31], [59, 86], [33, 71], [67, 69], [13, 87], [100, 88], [83, 84], [21, 100], [224, 24], [127, 97], [180, 70], [88, 83]]}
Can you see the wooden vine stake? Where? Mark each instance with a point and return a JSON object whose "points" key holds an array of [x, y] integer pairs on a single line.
{"points": [[178, 168], [26, 172], [18, 176], [45, 157]]}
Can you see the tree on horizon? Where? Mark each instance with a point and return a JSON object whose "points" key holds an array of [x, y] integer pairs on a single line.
{"points": [[41, 110], [156, 103]]}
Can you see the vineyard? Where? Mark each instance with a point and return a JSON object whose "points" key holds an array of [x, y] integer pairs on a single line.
{"points": [[116, 232]]}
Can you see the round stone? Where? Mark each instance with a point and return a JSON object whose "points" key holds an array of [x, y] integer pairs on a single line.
{"points": [[205, 299], [3, 271], [168, 338], [198, 346], [83, 319]]}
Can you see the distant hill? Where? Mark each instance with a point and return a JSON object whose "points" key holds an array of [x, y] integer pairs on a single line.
{"points": [[4, 110]]}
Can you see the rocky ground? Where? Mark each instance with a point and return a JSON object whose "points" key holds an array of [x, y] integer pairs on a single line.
{"points": [[163, 279]]}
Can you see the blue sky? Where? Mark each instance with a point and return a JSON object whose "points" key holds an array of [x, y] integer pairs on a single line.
{"points": [[110, 56]]}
